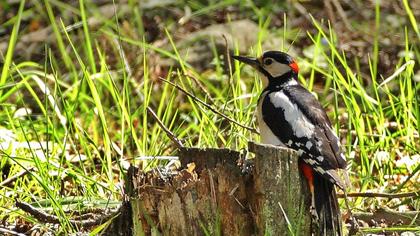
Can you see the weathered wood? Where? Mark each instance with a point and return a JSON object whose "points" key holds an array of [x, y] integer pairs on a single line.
{"points": [[281, 201], [213, 196], [122, 224]]}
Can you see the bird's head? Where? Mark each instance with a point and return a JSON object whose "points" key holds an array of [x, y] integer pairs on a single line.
{"points": [[273, 65]]}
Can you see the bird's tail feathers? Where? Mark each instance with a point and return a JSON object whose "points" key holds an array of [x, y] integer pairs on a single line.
{"points": [[327, 207]]}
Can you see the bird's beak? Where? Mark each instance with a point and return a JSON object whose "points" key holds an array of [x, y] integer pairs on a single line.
{"points": [[254, 62]]}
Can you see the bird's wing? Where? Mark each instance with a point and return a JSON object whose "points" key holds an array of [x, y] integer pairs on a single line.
{"points": [[302, 124], [313, 110]]}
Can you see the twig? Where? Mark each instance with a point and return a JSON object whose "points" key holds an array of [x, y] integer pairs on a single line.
{"points": [[6, 182], [306, 15], [393, 230], [200, 85], [330, 12], [47, 218], [208, 106], [228, 56], [171, 135], [389, 216], [302, 10], [384, 195], [10, 232], [166, 158], [95, 211], [375, 135], [342, 14]]}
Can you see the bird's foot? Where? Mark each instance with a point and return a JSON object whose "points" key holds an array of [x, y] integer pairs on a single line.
{"points": [[314, 219]]}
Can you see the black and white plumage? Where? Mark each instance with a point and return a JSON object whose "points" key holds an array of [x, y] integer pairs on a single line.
{"points": [[291, 116], [298, 121]]}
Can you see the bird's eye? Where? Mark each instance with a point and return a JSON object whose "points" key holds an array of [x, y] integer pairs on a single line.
{"points": [[268, 61]]}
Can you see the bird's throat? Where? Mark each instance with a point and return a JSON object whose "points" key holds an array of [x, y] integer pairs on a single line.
{"points": [[276, 83]]}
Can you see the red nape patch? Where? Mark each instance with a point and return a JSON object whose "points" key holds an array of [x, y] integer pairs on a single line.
{"points": [[294, 66], [307, 171]]}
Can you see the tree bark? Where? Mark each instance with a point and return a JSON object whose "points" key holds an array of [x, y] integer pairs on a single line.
{"points": [[281, 197], [212, 195]]}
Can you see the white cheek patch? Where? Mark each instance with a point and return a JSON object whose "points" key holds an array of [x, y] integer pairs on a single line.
{"points": [[320, 158], [301, 126], [276, 68]]}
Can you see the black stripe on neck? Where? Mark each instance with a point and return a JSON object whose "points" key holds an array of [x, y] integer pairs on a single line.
{"points": [[276, 83]]}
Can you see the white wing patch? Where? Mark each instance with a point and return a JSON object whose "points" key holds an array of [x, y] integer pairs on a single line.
{"points": [[301, 126], [319, 170], [300, 152], [311, 162], [308, 145]]}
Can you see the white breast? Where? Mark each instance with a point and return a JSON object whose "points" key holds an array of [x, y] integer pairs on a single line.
{"points": [[267, 136]]}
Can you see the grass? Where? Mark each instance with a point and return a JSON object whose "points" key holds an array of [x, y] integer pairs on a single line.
{"points": [[92, 88], [9, 54]]}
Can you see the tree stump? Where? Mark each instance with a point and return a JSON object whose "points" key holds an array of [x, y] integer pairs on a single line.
{"points": [[212, 195], [281, 197]]}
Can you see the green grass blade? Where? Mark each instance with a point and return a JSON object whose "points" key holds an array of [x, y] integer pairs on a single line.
{"points": [[11, 47]]}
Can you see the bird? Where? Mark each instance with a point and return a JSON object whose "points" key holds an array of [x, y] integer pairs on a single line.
{"points": [[289, 115]]}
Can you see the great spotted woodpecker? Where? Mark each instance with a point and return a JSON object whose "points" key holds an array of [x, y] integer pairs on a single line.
{"points": [[289, 115]]}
